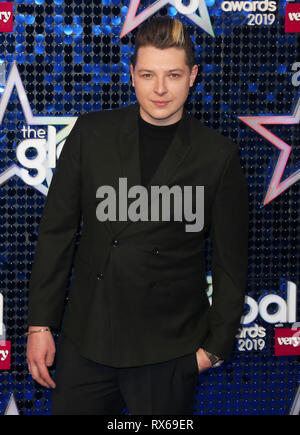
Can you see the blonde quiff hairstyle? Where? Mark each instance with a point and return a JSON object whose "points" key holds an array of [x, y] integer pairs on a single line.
{"points": [[164, 32]]}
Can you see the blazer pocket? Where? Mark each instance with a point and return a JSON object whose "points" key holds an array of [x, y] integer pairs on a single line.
{"points": [[81, 282], [190, 295], [190, 283], [80, 289]]}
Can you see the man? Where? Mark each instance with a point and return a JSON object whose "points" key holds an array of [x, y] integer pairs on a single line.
{"points": [[138, 327]]}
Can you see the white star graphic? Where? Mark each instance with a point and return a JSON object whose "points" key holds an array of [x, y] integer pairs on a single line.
{"points": [[132, 20], [14, 79], [276, 186]]}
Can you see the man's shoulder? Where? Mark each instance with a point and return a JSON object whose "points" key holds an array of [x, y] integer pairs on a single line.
{"points": [[105, 116], [212, 140]]}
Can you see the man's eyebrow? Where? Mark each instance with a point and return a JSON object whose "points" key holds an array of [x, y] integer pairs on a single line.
{"points": [[170, 70], [176, 69]]}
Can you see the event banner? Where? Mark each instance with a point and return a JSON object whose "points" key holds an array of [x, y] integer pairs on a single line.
{"points": [[60, 59]]}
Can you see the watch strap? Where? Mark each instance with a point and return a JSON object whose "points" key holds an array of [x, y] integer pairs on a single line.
{"points": [[215, 360]]}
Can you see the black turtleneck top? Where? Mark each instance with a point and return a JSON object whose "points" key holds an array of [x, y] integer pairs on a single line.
{"points": [[154, 141]]}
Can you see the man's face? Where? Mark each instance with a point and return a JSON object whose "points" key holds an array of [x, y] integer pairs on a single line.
{"points": [[162, 79]]}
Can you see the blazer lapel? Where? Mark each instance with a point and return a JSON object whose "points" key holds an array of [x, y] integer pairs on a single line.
{"points": [[128, 149], [130, 159]]}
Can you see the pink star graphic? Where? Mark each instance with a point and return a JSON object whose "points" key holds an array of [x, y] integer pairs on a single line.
{"points": [[276, 186]]}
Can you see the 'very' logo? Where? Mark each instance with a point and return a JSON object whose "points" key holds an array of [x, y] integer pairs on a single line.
{"points": [[6, 17], [292, 18], [287, 341], [5, 352]]}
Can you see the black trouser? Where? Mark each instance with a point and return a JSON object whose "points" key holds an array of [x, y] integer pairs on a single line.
{"points": [[87, 387]]}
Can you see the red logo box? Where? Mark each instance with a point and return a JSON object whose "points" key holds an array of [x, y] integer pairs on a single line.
{"points": [[292, 18], [6, 17], [5, 354], [287, 341]]}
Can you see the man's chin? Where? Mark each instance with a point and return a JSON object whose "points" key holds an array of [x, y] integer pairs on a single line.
{"points": [[161, 113]]}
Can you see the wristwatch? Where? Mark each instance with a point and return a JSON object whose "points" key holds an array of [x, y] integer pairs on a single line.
{"points": [[215, 360]]}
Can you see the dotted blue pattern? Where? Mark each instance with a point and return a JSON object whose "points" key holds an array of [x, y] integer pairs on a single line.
{"points": [[72, 61]]}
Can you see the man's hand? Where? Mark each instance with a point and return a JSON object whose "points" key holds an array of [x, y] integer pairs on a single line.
{"points": [[203, 360], [40, 354]]}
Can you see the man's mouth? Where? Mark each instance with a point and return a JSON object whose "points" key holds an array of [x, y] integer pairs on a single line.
{"points": [[160, 103]]}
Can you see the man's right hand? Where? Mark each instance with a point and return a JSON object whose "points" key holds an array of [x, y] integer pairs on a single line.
{"points": [[40, 354]]}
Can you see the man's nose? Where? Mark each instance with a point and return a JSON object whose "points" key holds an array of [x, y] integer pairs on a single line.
{"points": [[160, 86]]}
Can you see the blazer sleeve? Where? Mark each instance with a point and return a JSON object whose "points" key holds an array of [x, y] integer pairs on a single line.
{"points": [[56, 238], [229, 237]]}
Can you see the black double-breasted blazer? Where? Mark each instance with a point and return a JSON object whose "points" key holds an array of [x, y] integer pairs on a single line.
{"points": [[138, 294]]}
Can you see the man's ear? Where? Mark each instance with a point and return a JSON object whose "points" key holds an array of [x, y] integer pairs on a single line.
{"points": [[132, 74], [193, 74]]}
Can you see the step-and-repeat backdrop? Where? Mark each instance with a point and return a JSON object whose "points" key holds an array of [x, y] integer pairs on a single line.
{"points": [[59, 59]]}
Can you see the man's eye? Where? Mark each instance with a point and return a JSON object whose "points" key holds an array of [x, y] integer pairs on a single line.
{"points": [[174, 75], [147, 75]]}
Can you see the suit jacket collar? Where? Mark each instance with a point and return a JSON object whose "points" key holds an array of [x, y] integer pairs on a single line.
{"points": [[128, 145]]}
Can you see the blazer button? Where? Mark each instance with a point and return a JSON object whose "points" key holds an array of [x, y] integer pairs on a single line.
{"points": [[115, 243], [155, 251], [153, 284], [100, 275]]}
